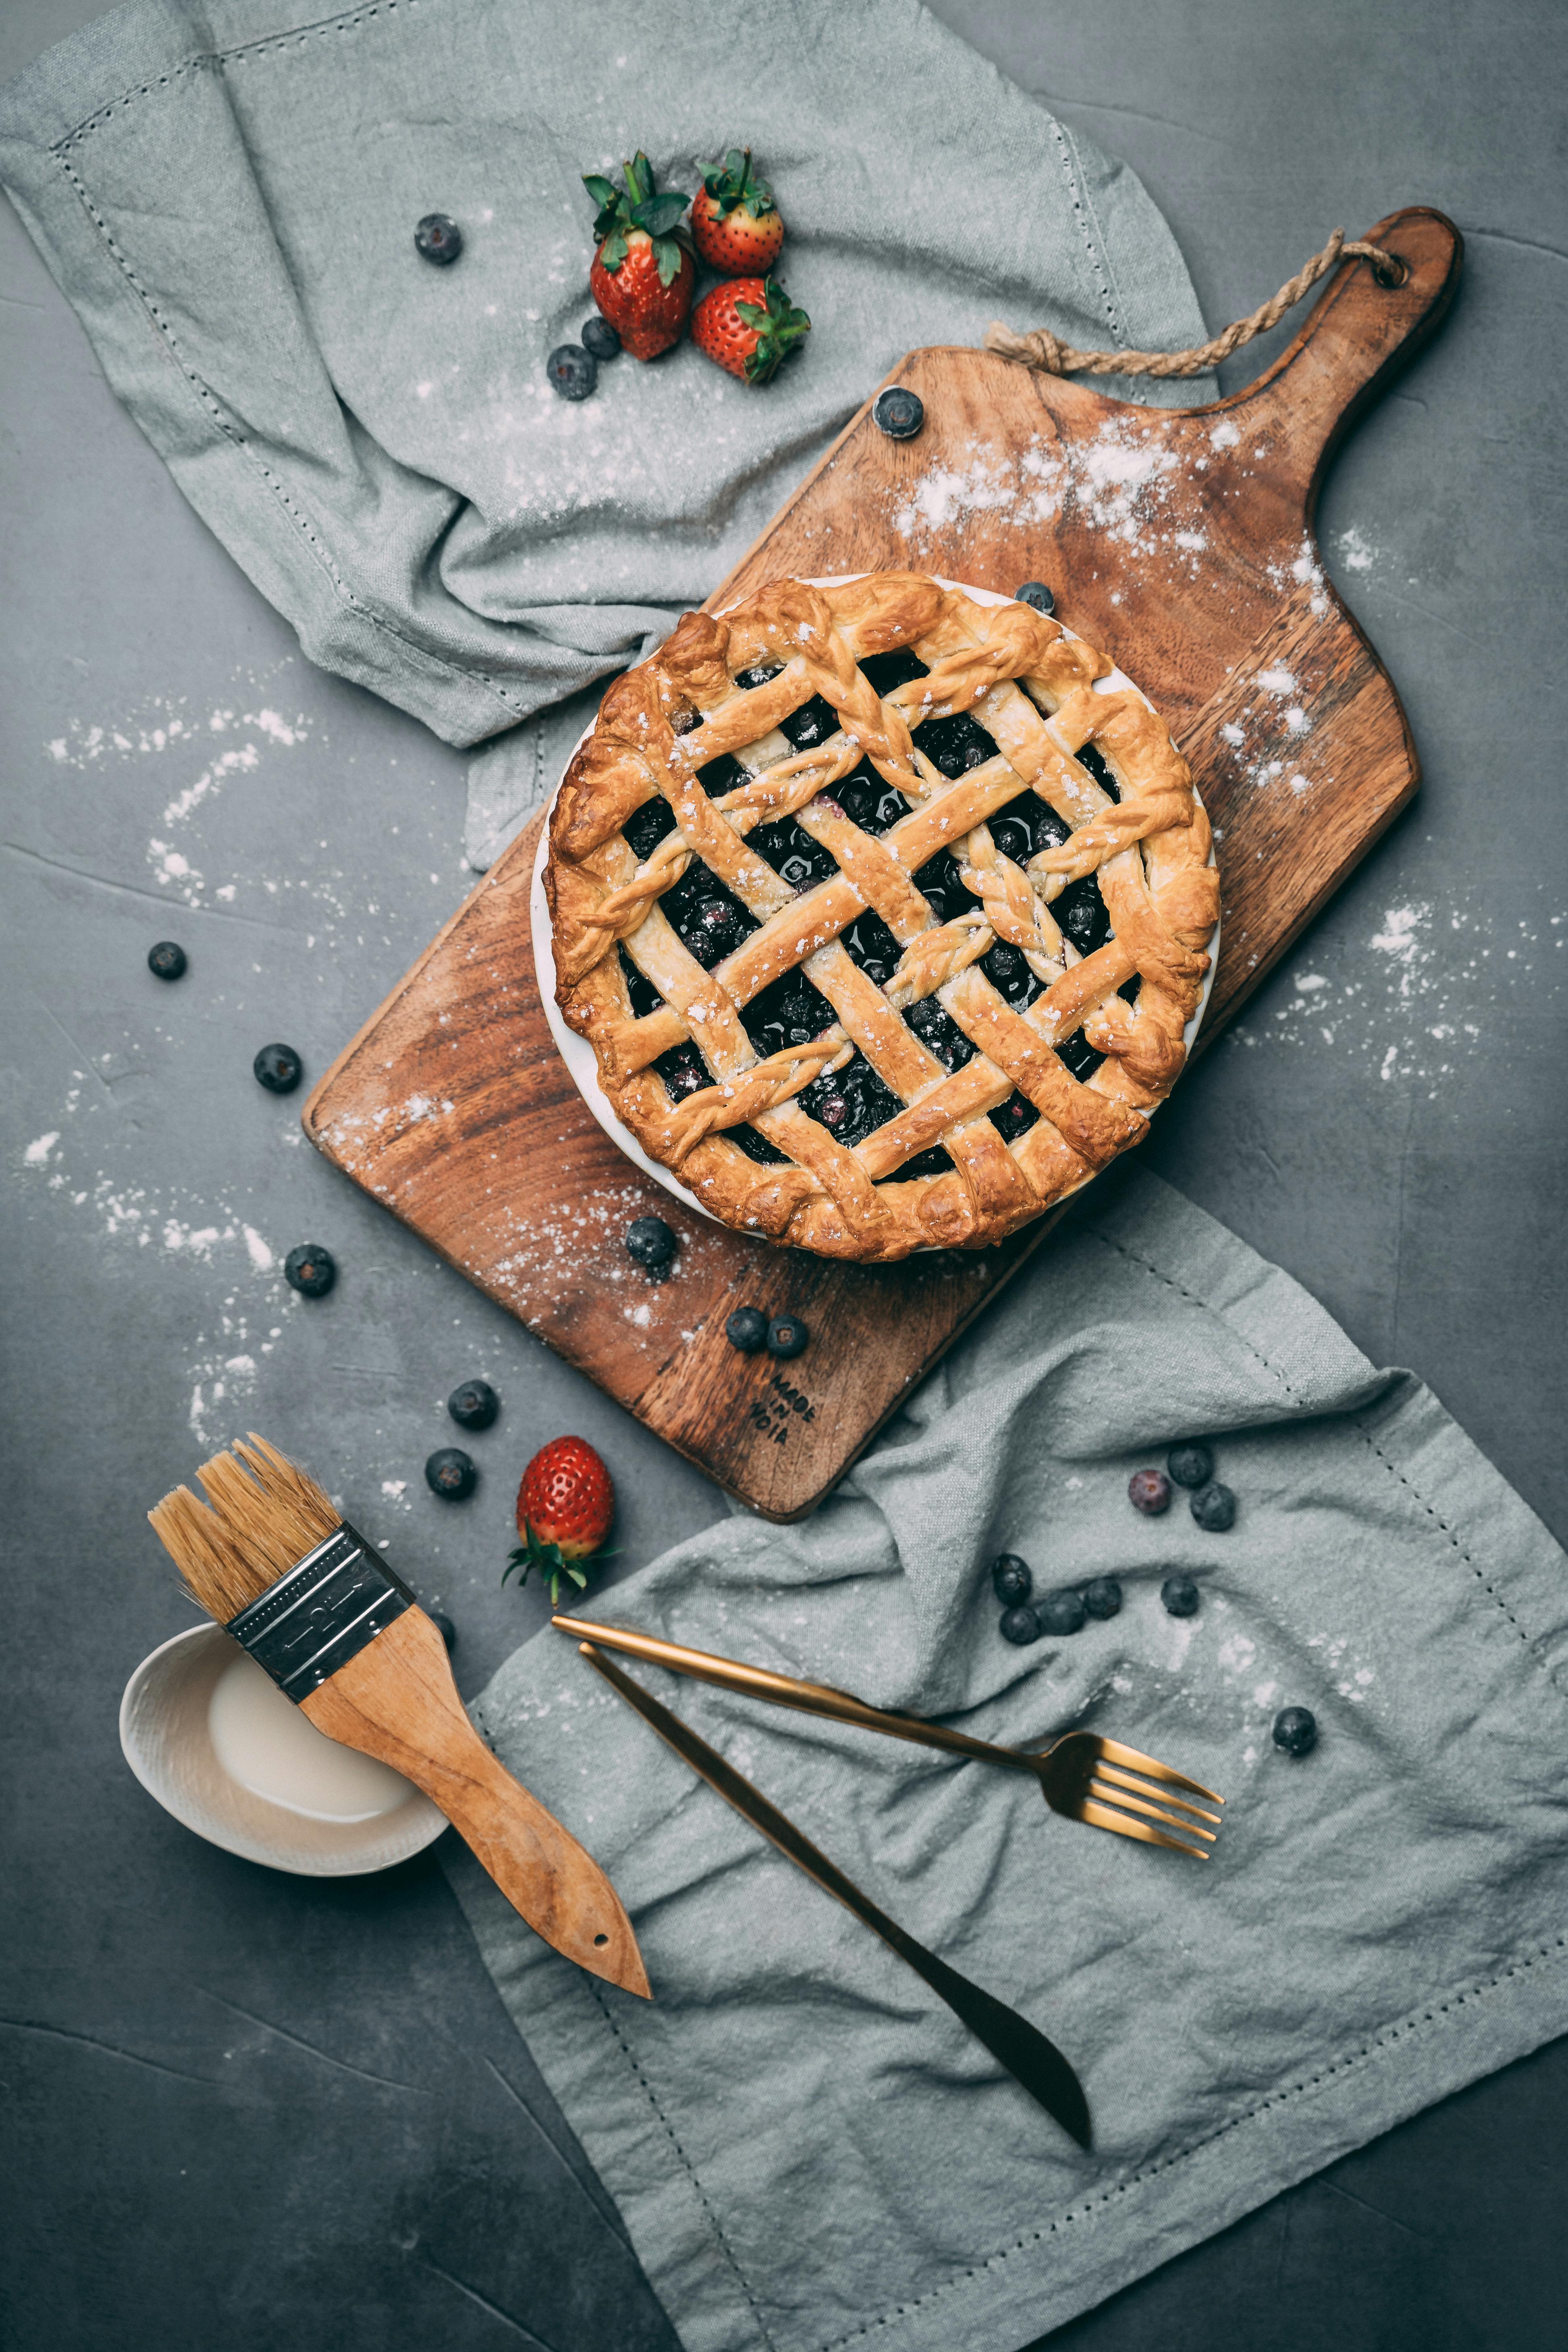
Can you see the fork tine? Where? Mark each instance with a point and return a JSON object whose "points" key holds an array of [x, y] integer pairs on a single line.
{"points": [[1150, 1766], [1119, 1797], [1103, 1817], [1143, 1787]]}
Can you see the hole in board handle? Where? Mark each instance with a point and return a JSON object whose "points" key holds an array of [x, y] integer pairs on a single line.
{"points": [[1395, 273], [601, 1940]]}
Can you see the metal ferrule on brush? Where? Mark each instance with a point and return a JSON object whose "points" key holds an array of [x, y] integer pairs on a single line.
{"points": [[320, 1614]]}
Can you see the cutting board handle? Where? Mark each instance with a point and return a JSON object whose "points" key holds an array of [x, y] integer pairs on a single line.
{"points": [[1358, 335]]}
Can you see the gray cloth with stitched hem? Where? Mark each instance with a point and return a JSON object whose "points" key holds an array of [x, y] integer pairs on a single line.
{"points": [[809, 2151], [226, 190]]}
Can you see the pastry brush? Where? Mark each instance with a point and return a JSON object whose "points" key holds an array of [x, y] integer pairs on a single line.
{"points": [[345, 1639]]}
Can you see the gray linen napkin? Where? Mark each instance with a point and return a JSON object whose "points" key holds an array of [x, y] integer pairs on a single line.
{"points": [[227, 191], [808, 2150]]}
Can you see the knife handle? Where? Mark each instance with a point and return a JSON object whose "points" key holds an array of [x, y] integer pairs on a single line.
{"points": [[396, 1700], [1034, 2062]]}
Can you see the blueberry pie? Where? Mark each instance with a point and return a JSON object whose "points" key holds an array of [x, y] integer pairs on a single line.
{"points": [[884, 926]]}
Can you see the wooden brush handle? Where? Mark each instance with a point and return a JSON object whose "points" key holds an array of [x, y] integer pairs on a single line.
{"points": [[397, 1701]]}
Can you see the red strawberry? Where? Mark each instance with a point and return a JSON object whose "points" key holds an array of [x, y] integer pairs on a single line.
{"points": [[564, 1507], [737, 226], [643, 276], [748, 326]]}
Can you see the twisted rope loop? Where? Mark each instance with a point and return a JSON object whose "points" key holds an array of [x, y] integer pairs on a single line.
{"points": [[1042, 350]]}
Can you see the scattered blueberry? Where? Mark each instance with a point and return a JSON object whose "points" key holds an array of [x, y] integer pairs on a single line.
{"points": [[1010, 1579], [1036, 592], [474, 1404], [1296, 1730], [652, 1242], [1180, 1595], [898, 414], [444, 1626], [1149, 1491], [1191, 1464], [450, 1474], [1102, 1597], [1061, 1613], [1213, 1507], [1020, 1625], [439, 238], [600, 338], [573, 371], [747, 1330], [311, 1270], [280, 1068], [167, 960], [788, 1336]]}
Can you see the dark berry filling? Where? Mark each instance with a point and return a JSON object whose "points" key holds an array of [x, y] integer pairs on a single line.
{"points": [[724, 774], [1082, 912], [887, 671], [1026, 825], [935, 1162], [757, 1147], [940, 1033], [872, 946], [850, 1103], [1129, 988], [758, 675], [1087, 757], [939, 882], [956, 744], [645, 997], [683, 1070], [710, 921], [647, 826], [1014, 1117], [792, 853], [869, 801], [812, 724], [1007, 968], [1079, 1056], [788, 1011]]}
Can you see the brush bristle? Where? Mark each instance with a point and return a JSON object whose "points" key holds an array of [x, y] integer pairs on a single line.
{"points": [[266, 1516]]}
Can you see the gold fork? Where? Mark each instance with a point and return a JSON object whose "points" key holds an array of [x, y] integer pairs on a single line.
{"points": [[1083, 1774]]}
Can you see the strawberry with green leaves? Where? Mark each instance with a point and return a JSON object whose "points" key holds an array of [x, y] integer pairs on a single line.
{"points": [[748, 326], [737, 227], [644, 274], [564, 1507]]}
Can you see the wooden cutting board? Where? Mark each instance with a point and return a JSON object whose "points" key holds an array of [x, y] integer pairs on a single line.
{"points": [[1178, 541]]}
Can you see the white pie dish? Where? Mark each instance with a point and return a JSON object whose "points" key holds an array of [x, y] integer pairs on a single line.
{"points": [[578, 1054]]}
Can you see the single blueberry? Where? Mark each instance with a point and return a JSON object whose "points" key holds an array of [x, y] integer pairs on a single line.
{"points": [[1296, 1730], [1010, 1579], [280, 1068], [651, 1242], [439, 238], [167, 960], [311, 1270], [1062, 1611], [474, 1404], [1213, 1507], [1019, 1625], [1149, 1491], [898, 414], [1036, 592], [600, 338], [573, 371], [1180, 1595], [1191, 1464], [747, 1330], [444, 1626], [1102, 1597], [450, 1472], [788, 1336]]}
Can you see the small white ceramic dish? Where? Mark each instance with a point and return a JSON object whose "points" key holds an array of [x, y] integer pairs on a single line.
{"points": [[166, 1734], [578, 1055]]}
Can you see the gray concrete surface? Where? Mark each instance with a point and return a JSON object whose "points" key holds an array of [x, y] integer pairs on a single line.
{"points": [[251, 2110]]}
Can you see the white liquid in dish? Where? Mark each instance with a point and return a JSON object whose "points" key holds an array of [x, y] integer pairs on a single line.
{"points": [[263, 1741]]}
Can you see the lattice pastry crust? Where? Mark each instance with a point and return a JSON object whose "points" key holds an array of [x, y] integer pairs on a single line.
{"points": [[884, 926]]}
